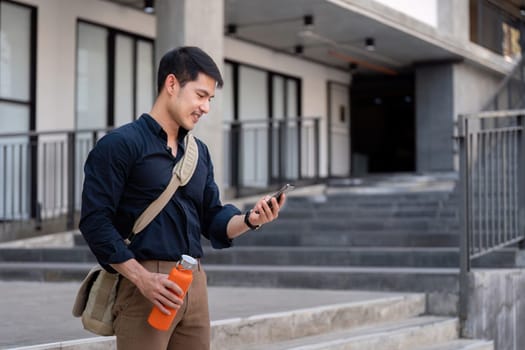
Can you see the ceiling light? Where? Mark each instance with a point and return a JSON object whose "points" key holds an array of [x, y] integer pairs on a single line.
{"points": [[370, 44], [148, 6]]}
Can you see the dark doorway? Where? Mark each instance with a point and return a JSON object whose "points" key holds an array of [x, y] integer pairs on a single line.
{"points": [[383, 124]]}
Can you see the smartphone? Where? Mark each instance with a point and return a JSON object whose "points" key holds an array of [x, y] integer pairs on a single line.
{"points": [[277, 195]]}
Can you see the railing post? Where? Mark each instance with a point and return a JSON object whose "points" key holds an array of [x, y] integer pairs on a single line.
{"points": [[521, 178], [71, 159], [317, 150], [464, 249], [521, 90], [33, 174], [235, 154], [299, 125], [283, 149], [271, 151]]}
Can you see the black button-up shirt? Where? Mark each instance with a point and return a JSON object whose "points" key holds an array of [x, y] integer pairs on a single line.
{"points": [[126, 171]]}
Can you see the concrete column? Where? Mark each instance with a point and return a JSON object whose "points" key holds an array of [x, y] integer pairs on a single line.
{"points": [[434, 118], [454, 18], [443, 91], [197, 23]]}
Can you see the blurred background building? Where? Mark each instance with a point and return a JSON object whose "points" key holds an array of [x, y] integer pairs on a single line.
{"points": [[314, 89]]}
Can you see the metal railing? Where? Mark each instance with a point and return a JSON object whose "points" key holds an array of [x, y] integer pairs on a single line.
{"points": [[261, 153], [41, 173], [492, 182], [41, 177]]}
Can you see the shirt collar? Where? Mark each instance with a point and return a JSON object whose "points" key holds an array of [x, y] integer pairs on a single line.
{"points": [[155, 127]]}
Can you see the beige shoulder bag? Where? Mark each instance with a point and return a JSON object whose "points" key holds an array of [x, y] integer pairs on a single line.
{"points": [[98, 290]]}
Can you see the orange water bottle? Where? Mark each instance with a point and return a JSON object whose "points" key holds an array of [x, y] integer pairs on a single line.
{"points": [[182, 274]]}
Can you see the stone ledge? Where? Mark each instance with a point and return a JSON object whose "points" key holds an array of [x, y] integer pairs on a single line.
{"points": [[95, 343]]}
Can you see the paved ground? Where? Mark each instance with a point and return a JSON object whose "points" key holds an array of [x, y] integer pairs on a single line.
{"points": [[36, 313]]}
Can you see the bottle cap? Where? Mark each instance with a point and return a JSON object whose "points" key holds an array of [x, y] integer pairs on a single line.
{"points": [[187, 262]]}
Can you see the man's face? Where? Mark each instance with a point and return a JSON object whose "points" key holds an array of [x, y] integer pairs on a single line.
{"points": [[192, 100]]}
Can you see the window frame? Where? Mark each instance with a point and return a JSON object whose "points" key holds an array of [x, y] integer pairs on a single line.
{"points": [[31, 102], [112, 33], [272, 177]]}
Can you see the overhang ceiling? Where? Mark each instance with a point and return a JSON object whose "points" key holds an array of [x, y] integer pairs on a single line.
{"points": [[336, 38]]}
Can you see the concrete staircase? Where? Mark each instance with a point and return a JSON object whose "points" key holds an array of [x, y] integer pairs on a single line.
{"points": [[390, 323], [373, 237], [382, 240], [367, 321]]}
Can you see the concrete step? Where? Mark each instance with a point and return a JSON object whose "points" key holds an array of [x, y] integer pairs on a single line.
{"points": [[398, 335], [268, 236], [370, 201], [273, 235], [70, 254], [337, 212], [44, 271], [461, 344], [350, 203], [397, 197], [364, 256], [344, 223], [338, 278], [316, 277], [440, 284], [427, 208], [282, 319], [304, 256], [263, 330]]}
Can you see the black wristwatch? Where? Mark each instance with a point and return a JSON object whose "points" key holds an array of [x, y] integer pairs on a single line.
{"points": [[248, 223]]}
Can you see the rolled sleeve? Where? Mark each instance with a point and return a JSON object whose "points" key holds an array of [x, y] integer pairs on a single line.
{"points": [[219, 227]]}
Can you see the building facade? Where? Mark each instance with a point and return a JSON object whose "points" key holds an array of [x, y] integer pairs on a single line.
{"points": [[313, 89]]}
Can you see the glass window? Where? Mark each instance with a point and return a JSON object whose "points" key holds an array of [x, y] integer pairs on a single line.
{"points": [[17, 31], [253, 106], [14, 117], [292, 136], [115, 76], [497, 27], [278, 97], [145, 76], [91, 76], [227, 93], [124, 112], [253, 94], [229, 116], [268, 107], [291, 95], [15, 51]]}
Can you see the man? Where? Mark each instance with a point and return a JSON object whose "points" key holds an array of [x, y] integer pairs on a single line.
{"points": [[126, 171]]}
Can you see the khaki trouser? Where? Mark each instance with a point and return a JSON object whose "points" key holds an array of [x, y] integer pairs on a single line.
{"points": [[190, 328]]}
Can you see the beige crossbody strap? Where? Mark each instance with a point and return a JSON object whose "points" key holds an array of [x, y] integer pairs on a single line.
{"points": [[182, 173]]}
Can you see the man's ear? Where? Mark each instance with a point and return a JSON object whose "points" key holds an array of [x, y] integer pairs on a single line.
{"points": [[171, 84]]}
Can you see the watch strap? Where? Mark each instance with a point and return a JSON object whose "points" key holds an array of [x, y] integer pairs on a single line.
{"points": [[247, 221]]}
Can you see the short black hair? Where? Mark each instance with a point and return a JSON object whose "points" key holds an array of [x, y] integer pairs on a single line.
{"points": [[186, 62]]}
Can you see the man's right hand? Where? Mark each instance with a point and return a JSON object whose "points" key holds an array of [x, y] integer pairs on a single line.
{"points": [[156, 287], [162, 292]]}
